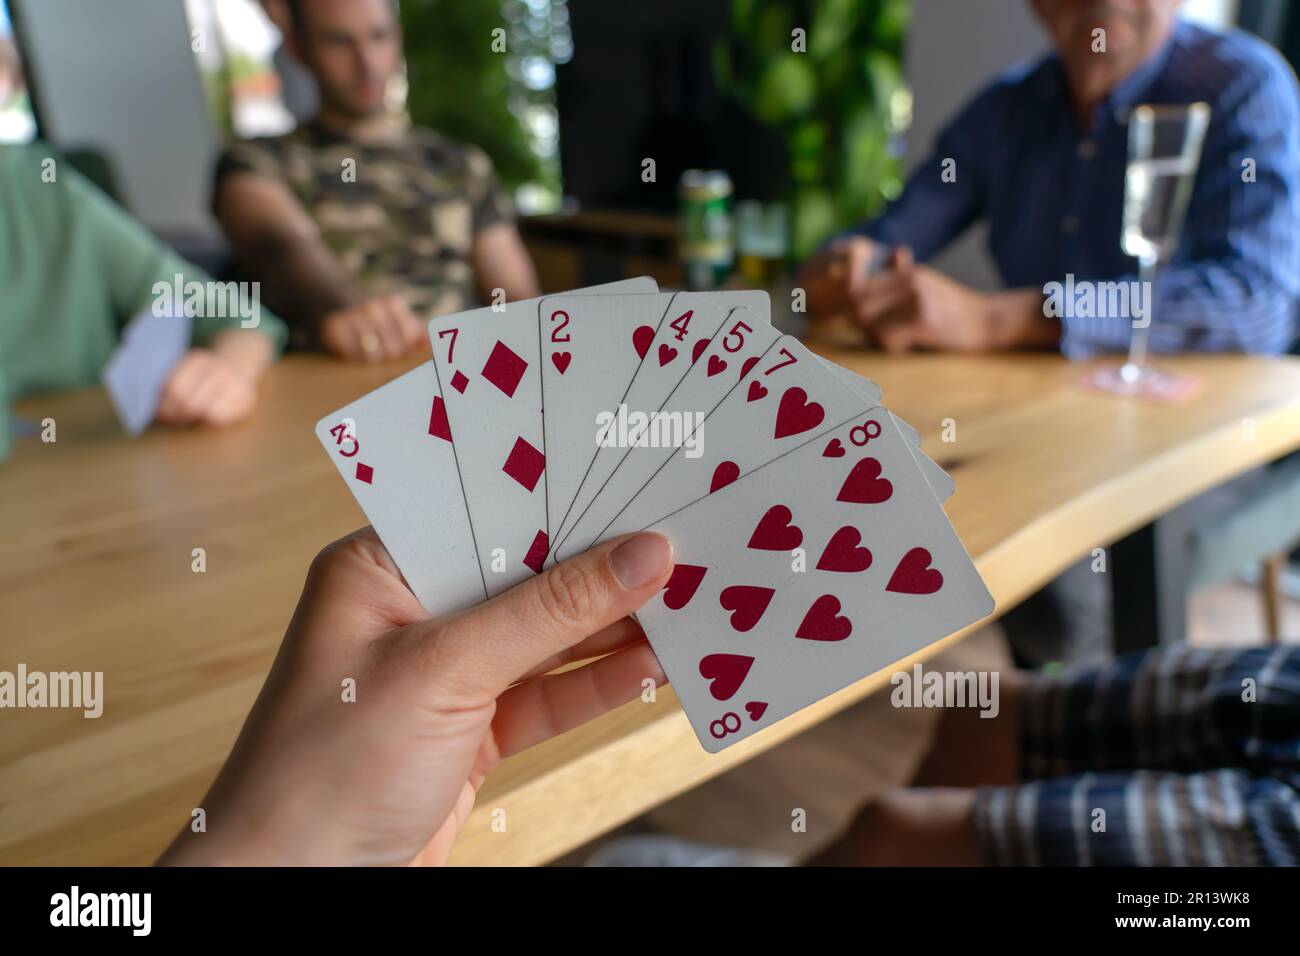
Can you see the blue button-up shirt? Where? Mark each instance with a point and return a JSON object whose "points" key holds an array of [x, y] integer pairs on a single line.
{"points": [[1052, 194]]}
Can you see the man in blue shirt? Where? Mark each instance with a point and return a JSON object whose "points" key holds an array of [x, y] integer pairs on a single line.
{"points": [[1040, 155]]}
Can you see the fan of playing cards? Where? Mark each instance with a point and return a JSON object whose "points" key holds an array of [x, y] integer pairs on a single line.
{"points": [[811, 546]]}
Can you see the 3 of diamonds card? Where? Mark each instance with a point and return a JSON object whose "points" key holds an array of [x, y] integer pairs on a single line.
{"points": [[393, 450]]}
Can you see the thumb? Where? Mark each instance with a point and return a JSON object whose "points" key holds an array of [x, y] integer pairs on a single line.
{"points": [[486, 649], [902, 259], [413, 330]]}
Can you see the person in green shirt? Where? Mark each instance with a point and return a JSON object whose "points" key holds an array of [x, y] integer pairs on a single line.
{"points": [[75, 269]]}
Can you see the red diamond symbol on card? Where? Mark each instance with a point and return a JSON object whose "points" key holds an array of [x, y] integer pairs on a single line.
{"points": [[439, 427], [536, 553], [364, 472], [504, 369], [525, 464], [459, 381]]}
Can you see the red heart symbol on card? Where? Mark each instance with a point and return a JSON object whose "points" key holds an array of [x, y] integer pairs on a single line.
{"points": [[775, 532], [746, 604], [823, 622], [914, 574], [716, 365], [698, 350], [796, 414], [864, 486], [561, 361], [682, 585], [666, 354], [726, 671], [843, 554], [641, 339], [834, 449], [723, 475], [749, 363], [756, 391], [756, 709]]}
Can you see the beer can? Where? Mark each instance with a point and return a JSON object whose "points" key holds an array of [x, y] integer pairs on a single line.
{"points": [[707, 240]]}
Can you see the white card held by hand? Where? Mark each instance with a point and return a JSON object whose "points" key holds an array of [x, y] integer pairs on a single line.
{"points": [[689, 325], [737, 345], [488, 363], [393, 449], [591, 348], [812, 572], [778, 407]]}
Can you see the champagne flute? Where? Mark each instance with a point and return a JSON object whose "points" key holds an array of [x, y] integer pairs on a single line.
{"points": [[1164, 150]]}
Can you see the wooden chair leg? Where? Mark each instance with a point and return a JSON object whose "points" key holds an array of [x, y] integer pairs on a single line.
{"points": [[1270, 585]]}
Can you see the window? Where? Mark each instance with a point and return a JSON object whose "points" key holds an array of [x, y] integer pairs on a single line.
{"points": [[16, 122]]}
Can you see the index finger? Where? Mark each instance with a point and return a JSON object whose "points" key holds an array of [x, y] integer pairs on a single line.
{"points": [[857, 263]]}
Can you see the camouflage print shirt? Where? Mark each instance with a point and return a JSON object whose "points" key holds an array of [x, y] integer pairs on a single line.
{"points": [[401, 216]]}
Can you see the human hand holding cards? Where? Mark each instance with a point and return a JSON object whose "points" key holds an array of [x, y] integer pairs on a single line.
{"points": [[156, 375], [152, 346], [810, 541]]}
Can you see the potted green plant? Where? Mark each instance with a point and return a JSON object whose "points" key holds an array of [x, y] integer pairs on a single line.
{"points": [[828, 75]]}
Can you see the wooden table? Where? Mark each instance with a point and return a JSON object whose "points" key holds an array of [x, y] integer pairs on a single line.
{"points": [[98, 535]]}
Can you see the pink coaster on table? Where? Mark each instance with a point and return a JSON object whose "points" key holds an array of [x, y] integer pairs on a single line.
{"points": [[1154, 385]]}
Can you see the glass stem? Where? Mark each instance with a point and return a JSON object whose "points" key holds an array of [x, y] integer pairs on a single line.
{"points": [[1137, 345]]}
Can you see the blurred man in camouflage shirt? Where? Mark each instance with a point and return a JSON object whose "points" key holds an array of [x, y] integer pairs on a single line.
{"points": [[359, 226]]}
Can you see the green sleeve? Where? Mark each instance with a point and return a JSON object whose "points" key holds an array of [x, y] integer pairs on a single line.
{"points": [[138, 268], [6, 414]]}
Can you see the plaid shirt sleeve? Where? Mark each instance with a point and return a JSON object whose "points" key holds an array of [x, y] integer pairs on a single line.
{"points": [[1175, 756]]}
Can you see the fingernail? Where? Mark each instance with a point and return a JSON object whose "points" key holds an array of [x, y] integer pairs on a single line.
{"points": [[640, 560]]}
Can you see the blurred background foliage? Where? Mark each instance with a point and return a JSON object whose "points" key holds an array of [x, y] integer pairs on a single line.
{"points": [[839, 103], [502, 102], [840, 106]]}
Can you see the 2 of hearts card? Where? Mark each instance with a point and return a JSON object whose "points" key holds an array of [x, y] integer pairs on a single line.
{"points": [[811, 544]]}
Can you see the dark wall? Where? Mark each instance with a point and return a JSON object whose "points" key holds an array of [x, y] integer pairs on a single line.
{"points": [[640, 85]]}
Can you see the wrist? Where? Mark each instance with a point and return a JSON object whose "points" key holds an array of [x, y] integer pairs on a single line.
{"points": [[216, 847], [232, 838], [342, 298], [248, 352]]}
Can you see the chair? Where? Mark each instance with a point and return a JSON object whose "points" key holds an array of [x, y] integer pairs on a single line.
{"points": [[1255, 521], [1258, 525], [210, 253]]}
